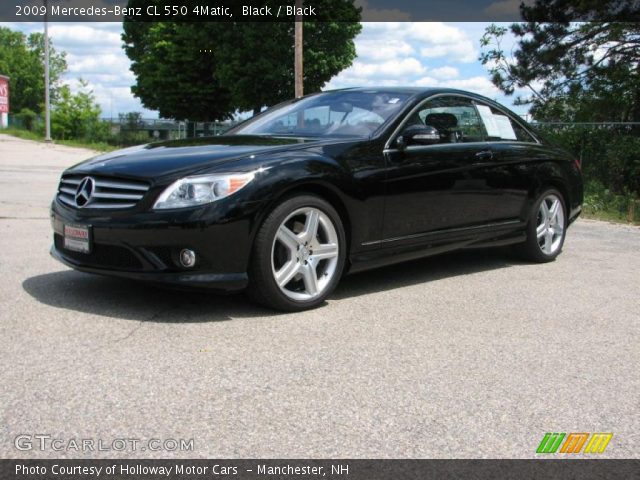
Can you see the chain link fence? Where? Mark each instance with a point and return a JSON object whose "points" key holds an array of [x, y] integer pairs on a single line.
{"points": [[131, 129]]}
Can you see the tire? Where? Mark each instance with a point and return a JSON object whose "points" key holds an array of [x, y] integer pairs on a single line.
{"points": [[546, 231], [298, 255]]}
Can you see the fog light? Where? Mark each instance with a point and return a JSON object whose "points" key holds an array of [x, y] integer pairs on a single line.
{"points": [[187, 258]]}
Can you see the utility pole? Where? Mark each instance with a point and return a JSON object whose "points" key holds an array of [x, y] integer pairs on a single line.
{"points": [[47, 102], [298, 63]]}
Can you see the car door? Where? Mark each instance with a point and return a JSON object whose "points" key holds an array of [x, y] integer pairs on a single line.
{"points": [[452, 184], [515, 151]]}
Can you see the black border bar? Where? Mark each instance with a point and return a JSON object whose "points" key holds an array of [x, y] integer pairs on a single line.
{"points": [[314, 10], [300, 469]]}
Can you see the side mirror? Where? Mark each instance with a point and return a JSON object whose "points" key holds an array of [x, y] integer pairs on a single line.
{"points": [[418, 134]]}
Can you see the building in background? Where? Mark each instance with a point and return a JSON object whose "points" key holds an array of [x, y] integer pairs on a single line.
{"points": [[4, 101]]}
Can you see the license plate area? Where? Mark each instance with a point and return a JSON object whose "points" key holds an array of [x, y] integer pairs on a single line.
{"points": [[77, 238]]}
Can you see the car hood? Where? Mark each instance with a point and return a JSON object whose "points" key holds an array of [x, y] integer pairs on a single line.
{"points": [[157, 160]]}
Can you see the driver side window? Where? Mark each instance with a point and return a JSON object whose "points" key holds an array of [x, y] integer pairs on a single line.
{"points": [[455, 118]]}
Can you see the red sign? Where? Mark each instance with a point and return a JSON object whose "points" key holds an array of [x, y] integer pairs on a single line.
{"points": [[4, 94]]}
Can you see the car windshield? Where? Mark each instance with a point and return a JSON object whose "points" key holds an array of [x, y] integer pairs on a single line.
{"points": [[340, 113]]}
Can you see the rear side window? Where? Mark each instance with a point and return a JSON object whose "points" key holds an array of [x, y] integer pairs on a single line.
{"points": [[500, 127], [455, 118]]}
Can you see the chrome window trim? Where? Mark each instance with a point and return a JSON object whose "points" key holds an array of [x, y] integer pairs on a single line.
{"points": [[419, 148], [473, 99]]}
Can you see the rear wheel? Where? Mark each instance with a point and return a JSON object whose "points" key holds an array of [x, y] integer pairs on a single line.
{"points": [[298, 255], [546, 228]]}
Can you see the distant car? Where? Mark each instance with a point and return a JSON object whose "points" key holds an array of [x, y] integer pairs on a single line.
{"points": [[286, 203]]}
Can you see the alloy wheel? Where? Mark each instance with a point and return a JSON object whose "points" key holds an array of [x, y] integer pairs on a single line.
{"points": [[550, 224], [304, 254]]}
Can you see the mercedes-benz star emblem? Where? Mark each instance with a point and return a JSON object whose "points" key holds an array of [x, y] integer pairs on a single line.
{"points": [[84, 191]]}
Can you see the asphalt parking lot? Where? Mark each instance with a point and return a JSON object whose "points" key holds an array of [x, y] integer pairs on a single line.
{"points": [[468, 355]]}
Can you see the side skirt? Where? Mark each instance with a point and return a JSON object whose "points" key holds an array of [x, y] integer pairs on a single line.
{"points": [[418, 246]]}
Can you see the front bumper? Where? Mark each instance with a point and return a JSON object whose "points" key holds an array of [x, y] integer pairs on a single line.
{"points": [[146, 245], [218, 281]]}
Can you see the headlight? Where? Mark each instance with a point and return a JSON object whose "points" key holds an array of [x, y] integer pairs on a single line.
{"points": [[201, 189]]}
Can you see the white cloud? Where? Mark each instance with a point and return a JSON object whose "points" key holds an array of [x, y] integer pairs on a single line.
{"points": [[445, 73], [107, 63], [463, 52], [413, 54], [480, 85], [82, 35], [390, 68], [425, 82], [433, 32], [431, 39], [95, 54], [371, 48], [440, 40]]}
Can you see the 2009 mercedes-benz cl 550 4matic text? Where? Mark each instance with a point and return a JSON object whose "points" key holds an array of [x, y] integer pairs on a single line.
{"points": [[284, 204]]}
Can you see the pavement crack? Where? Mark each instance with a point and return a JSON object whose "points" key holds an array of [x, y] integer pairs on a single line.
{"points": [[138, 326], [131, 332]]}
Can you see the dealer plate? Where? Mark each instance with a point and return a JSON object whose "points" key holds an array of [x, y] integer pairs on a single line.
{"points": [[77, 238]]}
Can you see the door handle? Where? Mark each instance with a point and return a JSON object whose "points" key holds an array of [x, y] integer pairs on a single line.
{"points": [[484, 155]]}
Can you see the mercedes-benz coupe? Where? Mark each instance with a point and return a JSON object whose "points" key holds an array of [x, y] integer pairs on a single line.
{"points": [[286, 203]]}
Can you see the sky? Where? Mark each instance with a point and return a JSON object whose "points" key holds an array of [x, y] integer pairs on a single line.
{"points": [[388, 53]]}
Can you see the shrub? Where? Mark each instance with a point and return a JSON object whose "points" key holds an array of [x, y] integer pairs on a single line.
{"points": [[27, 118]]}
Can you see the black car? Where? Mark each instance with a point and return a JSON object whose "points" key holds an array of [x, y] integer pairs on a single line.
{"points": [[287, 202]]}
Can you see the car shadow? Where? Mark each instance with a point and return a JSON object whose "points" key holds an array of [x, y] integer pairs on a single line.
{"points": [[139, 301], [462, 262], [131, 300]]}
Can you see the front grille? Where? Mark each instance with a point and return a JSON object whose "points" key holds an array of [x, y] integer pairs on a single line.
{"points": [[106, 256], [108, 193]]}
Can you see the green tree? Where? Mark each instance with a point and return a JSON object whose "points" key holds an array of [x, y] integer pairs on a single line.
{"points": [[77, 116], [207, 71], [572, 71], [22, 59], [172, 75], [255, 60], [130, 121]]}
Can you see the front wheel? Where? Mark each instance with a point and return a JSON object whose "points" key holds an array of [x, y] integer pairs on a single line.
{"points": [[546, 228], [298, 256]]}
